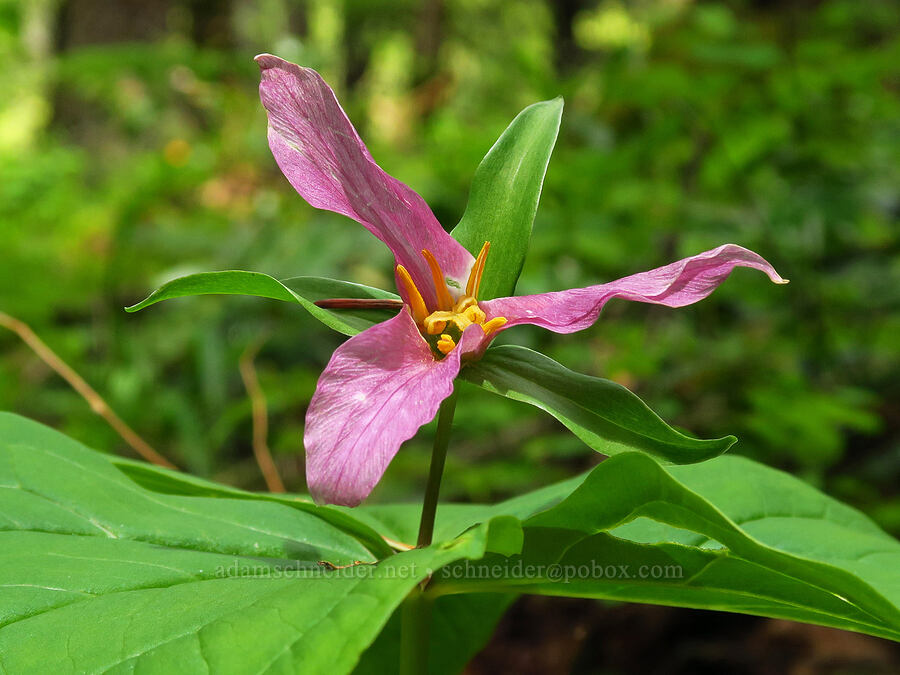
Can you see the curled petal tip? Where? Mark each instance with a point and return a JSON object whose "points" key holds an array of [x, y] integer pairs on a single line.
{"points": [[677, 284], [266, 60]]}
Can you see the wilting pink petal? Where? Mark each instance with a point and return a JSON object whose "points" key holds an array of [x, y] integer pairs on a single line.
{"points": [[322, 156], [378, 389], [675, 285]]}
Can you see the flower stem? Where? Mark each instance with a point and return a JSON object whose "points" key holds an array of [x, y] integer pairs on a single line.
{"points": [[415, 614], [438, 456], [415, 626]]}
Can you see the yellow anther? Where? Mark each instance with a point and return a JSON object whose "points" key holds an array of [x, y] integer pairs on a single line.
{"points": [[493, 324], [452, 315], [474, 314], [445, 300], [446, 344], [464, 303], [435, 327], [436, 322], [416, 303], [477, 271]]}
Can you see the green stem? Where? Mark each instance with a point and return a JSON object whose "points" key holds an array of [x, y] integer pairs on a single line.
{"points": [[416, 611], [415, 622], [438, 456]]}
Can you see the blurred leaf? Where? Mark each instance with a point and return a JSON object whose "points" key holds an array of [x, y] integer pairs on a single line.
{"points": [[721, 122]]}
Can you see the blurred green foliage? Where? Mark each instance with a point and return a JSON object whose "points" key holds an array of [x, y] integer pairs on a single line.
{"points": [[133, 150]]}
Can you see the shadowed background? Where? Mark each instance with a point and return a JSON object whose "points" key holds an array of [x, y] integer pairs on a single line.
{"points": [[132, 150]]}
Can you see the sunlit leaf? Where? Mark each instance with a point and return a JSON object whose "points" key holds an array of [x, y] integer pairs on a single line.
{"points": [[603, 414], [97, 573], [727, 534], [304, 291]]}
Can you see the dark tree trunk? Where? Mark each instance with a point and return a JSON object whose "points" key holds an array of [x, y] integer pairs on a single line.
{"points": [[88, 22], [567, 53]]}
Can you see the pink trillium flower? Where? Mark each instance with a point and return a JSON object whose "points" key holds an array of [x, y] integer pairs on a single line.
{"points": [[383, 384]]}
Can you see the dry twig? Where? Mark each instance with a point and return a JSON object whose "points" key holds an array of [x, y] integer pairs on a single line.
{"points": [[260, 419], [98, 405], [397, 545]]}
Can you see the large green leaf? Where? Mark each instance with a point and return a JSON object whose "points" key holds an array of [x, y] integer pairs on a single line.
{"points": [[304, 291], [108, 567], [400, 522], [100, 574], [167, 481], [603, 414], [505, 192], [726, 534]]}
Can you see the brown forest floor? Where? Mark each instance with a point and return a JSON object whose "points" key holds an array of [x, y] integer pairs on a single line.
{"points": [[555, 635]]}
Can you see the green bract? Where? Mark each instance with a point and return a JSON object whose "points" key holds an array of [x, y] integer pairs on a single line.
{"points": [[302, 290], [505, 192], [605, 415]]}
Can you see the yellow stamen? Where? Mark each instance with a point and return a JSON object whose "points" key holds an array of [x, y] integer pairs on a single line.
{"points": [[493, 324], [445, 300], [416, 303], [455, 313], [477, 271], [446, 344], [474, 314], [436, 323]]}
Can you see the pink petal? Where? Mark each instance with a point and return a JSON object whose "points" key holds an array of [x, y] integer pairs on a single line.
{"points": [[378, 389], [322, 156], [675, 285]]}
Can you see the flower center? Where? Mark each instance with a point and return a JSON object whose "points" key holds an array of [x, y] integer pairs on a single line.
{"points": [[444, 326]]}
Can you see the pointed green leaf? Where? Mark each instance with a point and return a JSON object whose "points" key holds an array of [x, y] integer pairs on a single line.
{"points": [[99, 574], [727, 534], [302, 290], [504, 196], [603, 414]]}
